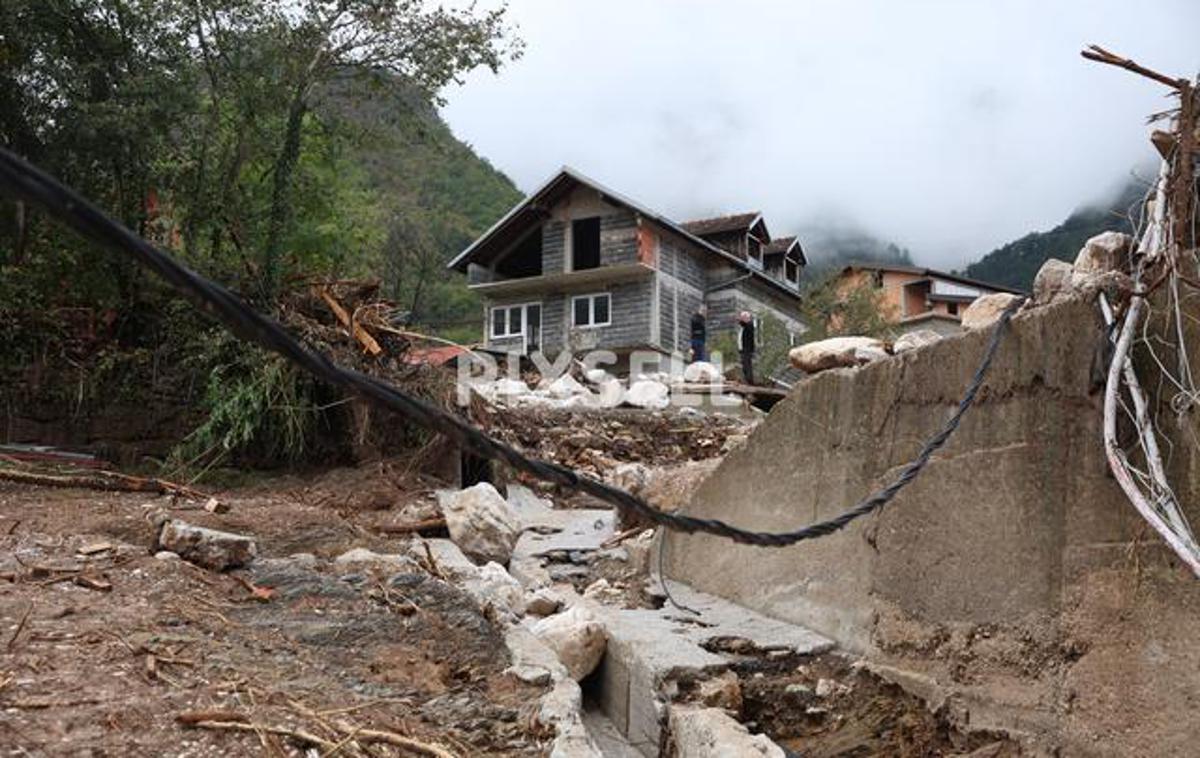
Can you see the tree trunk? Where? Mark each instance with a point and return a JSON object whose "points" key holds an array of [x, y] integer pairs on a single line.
{"points": [[281, 204]]}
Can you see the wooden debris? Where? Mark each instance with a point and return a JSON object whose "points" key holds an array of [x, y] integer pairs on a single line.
{"points": [[108, 481], [216, 506], [436, 524], [358, 330], [190, 718], [20, 628], [94, 548], [91, 582]]}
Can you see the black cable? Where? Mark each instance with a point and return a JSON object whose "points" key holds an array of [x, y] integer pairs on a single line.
{"points": [[29, 183]]}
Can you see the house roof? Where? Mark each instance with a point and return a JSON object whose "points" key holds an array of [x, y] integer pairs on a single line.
{"points": [[536, 206], [781, 245], [929, 272], [736, 222]]}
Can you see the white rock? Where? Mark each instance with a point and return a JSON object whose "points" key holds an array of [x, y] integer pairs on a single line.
{"points": [[1053, 280], [830, 353], [986, 310], [913, 340], [542, 602], [609, 393], [209, 548], [481, 522], [712, 733], [576, 637], [1103, 253], [363, 555], [701, 372], [566, 386], [596, 375], [166, 555], [648, 393], [493, 586]]}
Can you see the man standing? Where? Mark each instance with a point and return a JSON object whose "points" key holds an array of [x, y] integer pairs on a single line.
{"points": [[699, 335], [745, 345]]}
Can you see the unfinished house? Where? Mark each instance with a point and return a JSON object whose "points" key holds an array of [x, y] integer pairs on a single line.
{"points": [[576, 267], [918, 298]]}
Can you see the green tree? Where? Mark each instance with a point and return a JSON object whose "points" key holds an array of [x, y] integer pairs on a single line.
{"points": [[830, 310]]}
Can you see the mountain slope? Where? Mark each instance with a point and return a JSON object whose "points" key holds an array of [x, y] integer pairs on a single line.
{"points": [[1017, 263]]}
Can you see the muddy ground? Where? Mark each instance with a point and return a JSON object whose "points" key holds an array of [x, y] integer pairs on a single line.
{"points": [[106, 649]]}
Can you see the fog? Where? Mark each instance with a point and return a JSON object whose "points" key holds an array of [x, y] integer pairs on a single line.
{"points": [[947, 127]]}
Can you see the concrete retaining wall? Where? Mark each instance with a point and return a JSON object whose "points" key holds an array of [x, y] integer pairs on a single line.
{"points": [[1011, 582]]}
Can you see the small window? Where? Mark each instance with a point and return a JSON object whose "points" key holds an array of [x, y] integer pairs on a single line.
{"points": [[508, 321], [952, 309], [591, 310], [791, 270], [877, 279], [585, 243]]}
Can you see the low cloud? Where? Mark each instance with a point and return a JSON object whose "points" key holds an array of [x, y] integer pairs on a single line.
{"points": [[947, 127]]}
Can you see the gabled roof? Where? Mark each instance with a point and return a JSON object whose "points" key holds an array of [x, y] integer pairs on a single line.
{"points": [[931, 273], [534, 209], [782, 245], [737, 222]]}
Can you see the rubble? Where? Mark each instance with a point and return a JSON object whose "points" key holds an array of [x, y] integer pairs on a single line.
{"points": [[1053, 279], [836, 352], [576, 637], [209, 548], [481, 522], [985, 311]]}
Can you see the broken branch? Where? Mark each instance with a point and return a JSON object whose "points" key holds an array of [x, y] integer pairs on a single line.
{"points": [[109, 481], [1100, 55], [358, 330]]}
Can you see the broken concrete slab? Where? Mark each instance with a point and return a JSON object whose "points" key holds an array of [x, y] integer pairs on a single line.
{"points": [[209, 548], [649, 650], [712, 733]]}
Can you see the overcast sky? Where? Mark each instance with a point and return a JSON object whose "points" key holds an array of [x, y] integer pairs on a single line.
{"points": [[948, 127]]}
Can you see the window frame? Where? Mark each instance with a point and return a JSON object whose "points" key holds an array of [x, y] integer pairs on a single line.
{"points": [[591, 297], [599, 242], [508, 308]]}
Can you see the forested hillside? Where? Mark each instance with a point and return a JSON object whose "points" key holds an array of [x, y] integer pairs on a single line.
{"points": [[265, 144], [1017, 263], [829, 247]]}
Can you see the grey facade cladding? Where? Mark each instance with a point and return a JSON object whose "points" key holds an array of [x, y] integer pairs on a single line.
{"points": [[554, 245], [618, 238], [630, 316]]}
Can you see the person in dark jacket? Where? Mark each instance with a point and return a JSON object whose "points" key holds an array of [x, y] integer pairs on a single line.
{"points": [[745, 345], [699, 334]]}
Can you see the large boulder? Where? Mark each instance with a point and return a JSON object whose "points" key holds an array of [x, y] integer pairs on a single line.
{"points": [[481, 522], [209, 548], [648, 393], [1104, 252], [986, 310], [835, 352], [1052, 281], [915, 339], [576, 637]]}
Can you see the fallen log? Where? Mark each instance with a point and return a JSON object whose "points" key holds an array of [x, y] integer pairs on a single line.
{"points": [[437, 524], [108, 481]]}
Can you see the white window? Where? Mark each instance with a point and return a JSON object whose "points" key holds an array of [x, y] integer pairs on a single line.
{"points": [[591, 310], [508, 321]]}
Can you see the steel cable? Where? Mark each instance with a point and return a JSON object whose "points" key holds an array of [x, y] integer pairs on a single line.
{"points": [[29, 183]]}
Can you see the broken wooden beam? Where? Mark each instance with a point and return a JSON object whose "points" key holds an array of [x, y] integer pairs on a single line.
{"points": [[356, 329]]}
